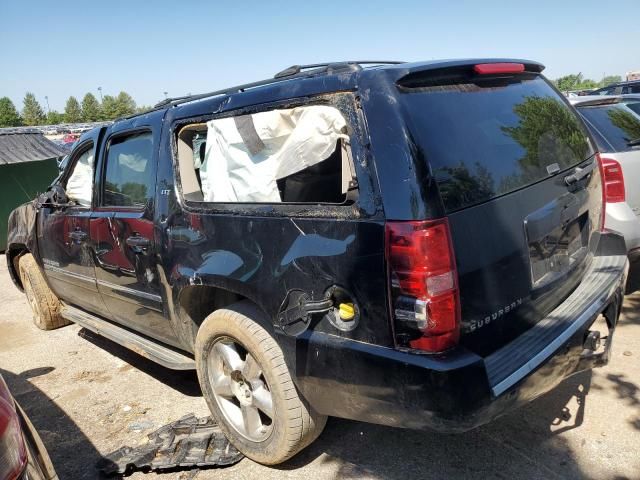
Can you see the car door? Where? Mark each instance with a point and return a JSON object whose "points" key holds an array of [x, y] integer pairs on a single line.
{"points": [[63, 233], [122, 232]]}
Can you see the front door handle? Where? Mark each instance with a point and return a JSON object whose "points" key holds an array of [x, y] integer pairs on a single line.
{"points": [[138, 244], [78, 236]]}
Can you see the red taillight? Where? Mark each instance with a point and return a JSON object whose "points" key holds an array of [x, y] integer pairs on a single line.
{"points": [[13, 455], [424, 282], [613, 180], [496, 68]]}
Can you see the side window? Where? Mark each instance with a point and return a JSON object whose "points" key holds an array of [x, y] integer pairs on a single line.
{"points": [[79, 185], [129, 179], [294, 155]]}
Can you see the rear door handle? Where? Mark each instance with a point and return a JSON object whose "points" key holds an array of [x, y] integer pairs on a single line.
{"points": [[78, 236], [138, 244]]}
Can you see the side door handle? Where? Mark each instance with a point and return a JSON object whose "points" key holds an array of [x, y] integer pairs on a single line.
{"points": [[78, 236], [138, 244]]}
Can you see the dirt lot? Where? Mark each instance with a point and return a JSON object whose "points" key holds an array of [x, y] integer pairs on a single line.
{"points": [[88, 396]]}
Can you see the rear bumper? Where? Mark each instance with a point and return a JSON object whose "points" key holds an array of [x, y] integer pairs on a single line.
{"points": [[620, 218], [460, 390]]}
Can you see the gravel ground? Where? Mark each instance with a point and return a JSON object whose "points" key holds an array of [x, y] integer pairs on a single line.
{"points": [[88, 396]]}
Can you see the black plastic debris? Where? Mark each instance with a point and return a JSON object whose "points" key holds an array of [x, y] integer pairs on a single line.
{"points": [[186, 443]]}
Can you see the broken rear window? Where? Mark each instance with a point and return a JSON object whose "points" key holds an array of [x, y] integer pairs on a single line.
{"points": [[294, 155]]}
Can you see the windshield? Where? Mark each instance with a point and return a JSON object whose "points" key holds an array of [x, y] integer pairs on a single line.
{"points": [[614, 126], [483, 141]]}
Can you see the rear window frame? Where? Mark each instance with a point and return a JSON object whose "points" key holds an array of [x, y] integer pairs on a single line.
{"points": [[355, 130]]}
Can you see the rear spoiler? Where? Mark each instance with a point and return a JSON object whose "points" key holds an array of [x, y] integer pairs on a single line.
{"points": [[590, 101], [457, 70]]}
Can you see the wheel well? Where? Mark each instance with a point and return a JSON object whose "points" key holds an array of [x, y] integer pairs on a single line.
{"points": [[198, 301], [13, 258]]}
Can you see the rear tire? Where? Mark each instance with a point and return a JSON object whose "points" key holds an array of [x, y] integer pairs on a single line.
{"points": [[248, 388], [43, 302]]}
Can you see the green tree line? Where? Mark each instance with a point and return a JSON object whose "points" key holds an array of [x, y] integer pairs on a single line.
{"points": [[576, 81], [87, 110]]}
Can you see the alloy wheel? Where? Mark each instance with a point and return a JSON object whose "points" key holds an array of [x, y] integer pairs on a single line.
{"points": [[240, 389]]}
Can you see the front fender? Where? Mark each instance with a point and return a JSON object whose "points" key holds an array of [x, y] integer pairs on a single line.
{"points": [[21, 237]]}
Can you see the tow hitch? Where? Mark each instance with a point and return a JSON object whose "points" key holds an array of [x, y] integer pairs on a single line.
{"points": [[592, 341], [596, 347]]}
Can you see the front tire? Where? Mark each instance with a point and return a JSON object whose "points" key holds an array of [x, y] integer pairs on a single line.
{"points": [[248, 388], [45, 306]]}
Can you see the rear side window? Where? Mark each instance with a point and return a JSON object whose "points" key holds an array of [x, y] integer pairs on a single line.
{"points": [[292, 155], [488, 138], [129, 179], [634, 107], [614, 126]]}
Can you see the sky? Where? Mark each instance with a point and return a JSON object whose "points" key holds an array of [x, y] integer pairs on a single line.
{"points": [[63, 48]]}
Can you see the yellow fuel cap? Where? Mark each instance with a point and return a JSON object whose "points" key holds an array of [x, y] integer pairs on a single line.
{"points": [[347, 311]]}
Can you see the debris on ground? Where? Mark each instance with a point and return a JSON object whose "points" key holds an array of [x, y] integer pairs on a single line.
{"points": [[188, 442]]}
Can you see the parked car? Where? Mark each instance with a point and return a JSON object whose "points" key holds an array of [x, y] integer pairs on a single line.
{"points": [[620, 88], [615, 125], [22, 453], [70, 138], [410, 244]]}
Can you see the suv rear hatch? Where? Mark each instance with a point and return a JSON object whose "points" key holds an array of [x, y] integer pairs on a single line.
{"points": [[502, 145]]}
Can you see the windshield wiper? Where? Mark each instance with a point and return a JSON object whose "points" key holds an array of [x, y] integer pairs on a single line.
{"points": [[634, 143]]}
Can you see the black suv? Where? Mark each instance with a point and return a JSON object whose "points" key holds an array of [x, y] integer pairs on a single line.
{"points": [[410, 244]]}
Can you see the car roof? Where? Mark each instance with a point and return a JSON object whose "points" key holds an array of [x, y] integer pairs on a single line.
{"points": [[343, 73]]}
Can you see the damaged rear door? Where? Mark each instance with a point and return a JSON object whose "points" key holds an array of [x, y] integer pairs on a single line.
{"points": [[122, 228]]}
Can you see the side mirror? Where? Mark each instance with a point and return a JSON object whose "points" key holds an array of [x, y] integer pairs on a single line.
{"points": [[59, 195], [55, 197]]}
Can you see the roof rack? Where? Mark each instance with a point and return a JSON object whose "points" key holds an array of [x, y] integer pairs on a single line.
{"points": [[296, 69], [283, 75]]}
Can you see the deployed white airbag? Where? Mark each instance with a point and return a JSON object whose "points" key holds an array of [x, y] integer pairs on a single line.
{"points": [[80, 183], [245, 155]]}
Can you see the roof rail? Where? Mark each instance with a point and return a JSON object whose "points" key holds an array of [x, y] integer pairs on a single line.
{"points": [[280, 76], [296, 69], [172, 102]]}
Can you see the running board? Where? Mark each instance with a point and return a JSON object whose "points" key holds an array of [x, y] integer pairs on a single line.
{"points": [[150, 349]]}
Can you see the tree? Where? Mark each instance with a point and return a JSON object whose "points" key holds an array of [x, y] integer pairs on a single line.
{"points": [[568, 82], [126, 105], [32, 113], [116, 107], [54, 118], [574, 82], [609, 79], [9, 116], [588, 84], [72, 111], [109, 108], [90, 108], [143, 108]]}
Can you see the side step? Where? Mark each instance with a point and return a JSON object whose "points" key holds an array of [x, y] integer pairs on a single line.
{"points": [[150, 349]]}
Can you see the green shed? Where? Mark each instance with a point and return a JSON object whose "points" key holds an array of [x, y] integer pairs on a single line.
{"points": [[28, 164]]}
